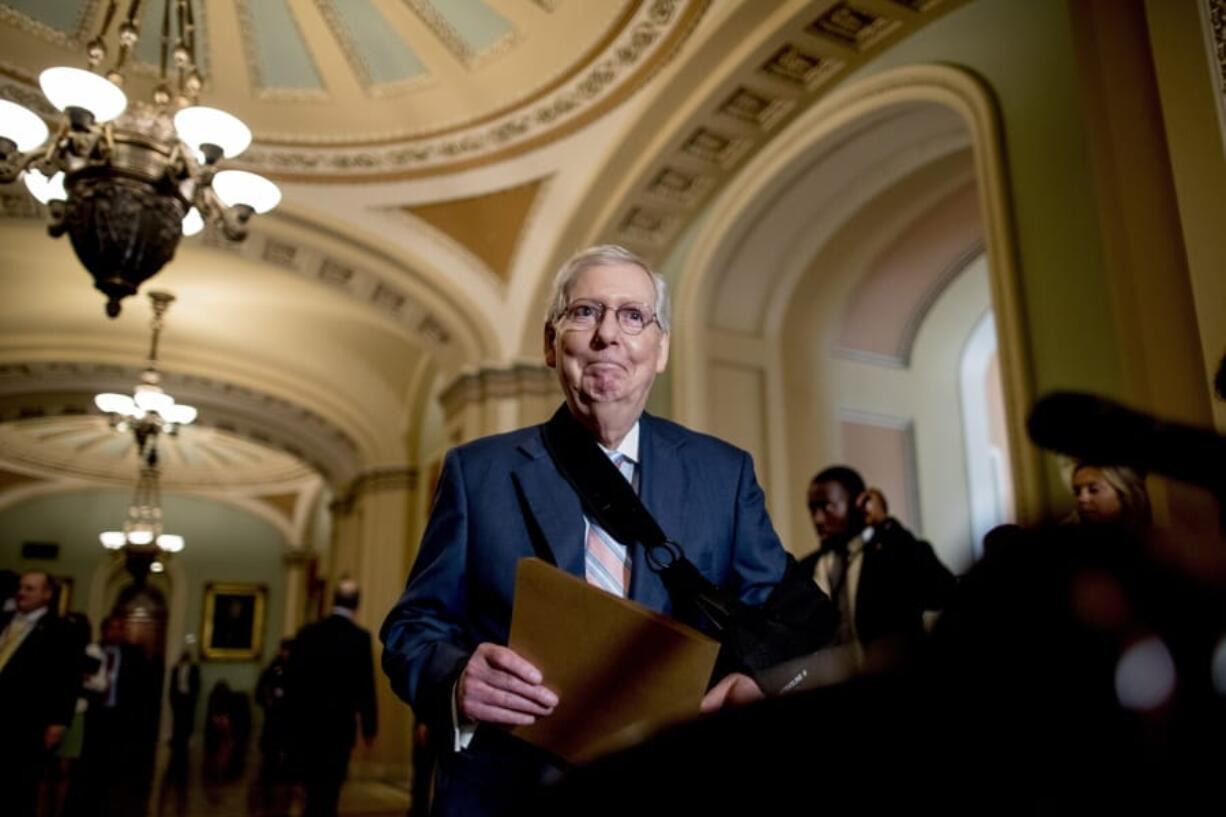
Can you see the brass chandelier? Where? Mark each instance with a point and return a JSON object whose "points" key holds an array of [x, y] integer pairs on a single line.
{"points": [[125, 180], [147, 415]]}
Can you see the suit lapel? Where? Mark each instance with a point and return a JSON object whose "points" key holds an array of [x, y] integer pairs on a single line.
{"points": [[661, 486], [554, 506]]}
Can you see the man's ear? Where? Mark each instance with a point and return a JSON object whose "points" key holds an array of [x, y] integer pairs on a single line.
{"points": [[551, 356], [862, 502], [662, 358]]}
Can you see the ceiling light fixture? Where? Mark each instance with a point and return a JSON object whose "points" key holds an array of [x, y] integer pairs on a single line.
{"points": [[142, 541], [151, 410], [127, 180]]}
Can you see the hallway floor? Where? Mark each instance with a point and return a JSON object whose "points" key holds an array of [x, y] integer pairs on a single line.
{"points": [[247, 796]]}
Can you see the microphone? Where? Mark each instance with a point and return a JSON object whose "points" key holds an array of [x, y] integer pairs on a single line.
{"points": [[1103, 432]]}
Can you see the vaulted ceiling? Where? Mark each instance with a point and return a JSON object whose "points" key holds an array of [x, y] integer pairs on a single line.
{"points": [[438, 158]]}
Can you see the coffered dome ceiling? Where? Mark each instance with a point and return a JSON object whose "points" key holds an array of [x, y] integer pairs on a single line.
{"points": [[378, 87], [438, 160]]}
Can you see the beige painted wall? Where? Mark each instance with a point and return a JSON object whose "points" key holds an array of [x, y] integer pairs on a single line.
{"points": [[928, 394]]}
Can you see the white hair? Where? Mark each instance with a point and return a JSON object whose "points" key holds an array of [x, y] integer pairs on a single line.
{"points": [[602, 255]]}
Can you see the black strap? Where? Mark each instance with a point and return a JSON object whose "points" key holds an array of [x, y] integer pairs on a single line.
{"points": [[796, 619], [607, 496]]}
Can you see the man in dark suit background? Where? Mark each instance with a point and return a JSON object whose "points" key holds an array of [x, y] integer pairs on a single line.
{"points": [[879, 576], [39, 680], [121, 728], [502, 498], [184, 695], [330, 682]]}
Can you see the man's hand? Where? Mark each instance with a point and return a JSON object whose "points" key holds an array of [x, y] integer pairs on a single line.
{"points": [[497, 686], [53, 736], [733, 690]]}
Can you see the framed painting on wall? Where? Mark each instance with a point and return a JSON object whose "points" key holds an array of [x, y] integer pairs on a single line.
{"points": [[233, 625], [64, 595]]}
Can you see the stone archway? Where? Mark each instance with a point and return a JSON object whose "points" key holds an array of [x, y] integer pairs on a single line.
{"points": [[833, 191]]}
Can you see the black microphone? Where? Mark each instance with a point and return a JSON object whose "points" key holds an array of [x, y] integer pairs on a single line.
{"points": [[1103, 432]]}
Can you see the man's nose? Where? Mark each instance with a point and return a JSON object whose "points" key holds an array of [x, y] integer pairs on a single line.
{"points": [[607, 328]]}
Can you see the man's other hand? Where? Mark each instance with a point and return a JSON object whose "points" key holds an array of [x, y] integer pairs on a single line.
{"points": [[734, 690], [497, 686]]}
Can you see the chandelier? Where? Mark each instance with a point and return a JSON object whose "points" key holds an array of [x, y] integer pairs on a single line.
{"points": [[127, 181], [142, 540], [147, 414], [150, 410]]}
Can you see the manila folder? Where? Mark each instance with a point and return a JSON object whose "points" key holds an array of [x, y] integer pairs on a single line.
{"points": [[621, 671]]}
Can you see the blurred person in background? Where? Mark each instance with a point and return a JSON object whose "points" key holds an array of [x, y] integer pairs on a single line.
{"points": [[1110, 495], [39, 679]]}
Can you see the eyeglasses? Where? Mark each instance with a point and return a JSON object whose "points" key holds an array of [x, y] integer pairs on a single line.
{"points": [[632, 318]]}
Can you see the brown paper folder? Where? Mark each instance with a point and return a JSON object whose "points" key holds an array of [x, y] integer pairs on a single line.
{"points": [[621, 671]]}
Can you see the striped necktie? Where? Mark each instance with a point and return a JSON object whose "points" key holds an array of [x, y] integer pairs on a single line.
{"points": [[12, 637], [607, 562]]}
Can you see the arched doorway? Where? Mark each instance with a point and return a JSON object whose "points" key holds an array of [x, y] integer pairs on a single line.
{"points": [[808, 287]]}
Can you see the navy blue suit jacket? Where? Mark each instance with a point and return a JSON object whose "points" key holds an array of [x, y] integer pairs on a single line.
{"points": [[501, 499]]}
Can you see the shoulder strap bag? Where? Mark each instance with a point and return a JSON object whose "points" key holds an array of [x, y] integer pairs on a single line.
{"points": [[796, 620]]}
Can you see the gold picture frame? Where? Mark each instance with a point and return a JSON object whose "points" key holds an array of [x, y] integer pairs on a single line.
{"points": [[233, 621], [63, 595]]}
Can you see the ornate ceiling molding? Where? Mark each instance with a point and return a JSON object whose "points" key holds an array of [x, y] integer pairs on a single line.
{"points": [[45, 390], [649, 39], [760, 99], [451, 337]]}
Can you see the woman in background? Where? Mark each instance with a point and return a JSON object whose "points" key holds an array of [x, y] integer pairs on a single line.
{"points": [[1110, 495]]}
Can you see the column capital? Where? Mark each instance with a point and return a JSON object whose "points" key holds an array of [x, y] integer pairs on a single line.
{"points": [[515, 380], [376, 480]]}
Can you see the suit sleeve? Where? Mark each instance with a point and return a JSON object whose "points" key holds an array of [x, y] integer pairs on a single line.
{"points": [[425, 641], [758, 557]]}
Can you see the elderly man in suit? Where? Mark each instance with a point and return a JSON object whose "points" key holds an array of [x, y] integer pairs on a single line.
{"points": [[39, 679], [330, 681], [502, 498]]}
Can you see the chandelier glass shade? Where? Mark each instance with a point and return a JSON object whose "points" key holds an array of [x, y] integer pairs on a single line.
{"points": [[149, 411], [142, 528], [125, 181]]}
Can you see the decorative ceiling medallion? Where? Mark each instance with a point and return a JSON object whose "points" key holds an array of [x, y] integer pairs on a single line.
{"points": [[852, 26], [679, 186], [754, 108], [714, 147], [798, 67], [648, 40], [646, 226]]}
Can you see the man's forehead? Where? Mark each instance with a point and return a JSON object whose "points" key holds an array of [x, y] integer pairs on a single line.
{"points": [[827, 488], [624, 280]]}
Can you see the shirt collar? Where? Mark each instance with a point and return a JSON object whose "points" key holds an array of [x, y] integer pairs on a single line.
{"points": [[629, 447], [34, 615], [344, 612]]}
